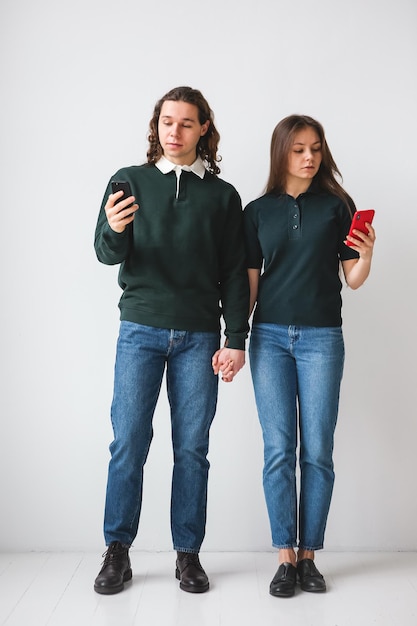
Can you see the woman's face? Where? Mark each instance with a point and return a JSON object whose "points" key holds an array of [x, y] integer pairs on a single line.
{"points": [[305, 156]]}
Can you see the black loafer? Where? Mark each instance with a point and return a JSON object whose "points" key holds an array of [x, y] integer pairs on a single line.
{"points": [[310, 577], [283, 583], [116, 569], [190, 573]]}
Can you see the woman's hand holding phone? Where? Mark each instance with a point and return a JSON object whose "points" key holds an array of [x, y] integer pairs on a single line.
{"points": [[361, 225], [361, 235], [361, 238]]}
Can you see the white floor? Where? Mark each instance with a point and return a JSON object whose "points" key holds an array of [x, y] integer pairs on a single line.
{"points": [[56, 589]]}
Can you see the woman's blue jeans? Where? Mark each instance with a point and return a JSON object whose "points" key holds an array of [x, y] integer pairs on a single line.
{"points": [[296, 373], [143, 353]]}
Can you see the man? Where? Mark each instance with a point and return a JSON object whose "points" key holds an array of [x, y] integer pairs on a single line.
{"points": [[179, 241]]}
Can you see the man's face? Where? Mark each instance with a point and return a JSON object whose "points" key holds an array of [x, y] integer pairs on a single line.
{"points": [[179, 131]]}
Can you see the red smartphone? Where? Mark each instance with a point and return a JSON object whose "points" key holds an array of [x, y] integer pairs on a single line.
{"points": [[358, 222]]}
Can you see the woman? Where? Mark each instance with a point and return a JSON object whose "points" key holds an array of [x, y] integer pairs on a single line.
{"points": [[297, 234]]}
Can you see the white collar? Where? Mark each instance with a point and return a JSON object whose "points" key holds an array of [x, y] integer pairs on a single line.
{"points": [[166, 166]]}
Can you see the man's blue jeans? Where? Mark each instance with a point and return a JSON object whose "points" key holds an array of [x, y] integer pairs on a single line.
{"points": [[143, 353], [297, 368]]}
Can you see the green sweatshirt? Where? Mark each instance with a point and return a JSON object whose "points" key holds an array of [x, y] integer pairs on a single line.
{"points": [[182, 258]]}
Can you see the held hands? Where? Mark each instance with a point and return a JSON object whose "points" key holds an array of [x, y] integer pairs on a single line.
{"points": [[118, 216], [228, 362]]}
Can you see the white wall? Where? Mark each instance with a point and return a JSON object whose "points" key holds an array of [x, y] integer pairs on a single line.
{"points": [[79, 82]]}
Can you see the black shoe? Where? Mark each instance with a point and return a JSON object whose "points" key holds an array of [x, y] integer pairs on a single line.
{"points": [[310, 577], [115, 571], [189, 572], [283, 583]]}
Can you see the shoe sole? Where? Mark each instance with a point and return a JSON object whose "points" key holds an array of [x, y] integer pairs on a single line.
{"points": [[313, 590], [283, 595], [190, 588], [108, 591]]}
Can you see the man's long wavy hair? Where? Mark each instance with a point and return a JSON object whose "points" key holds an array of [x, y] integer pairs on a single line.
{"points": [[208, 143], [281, 145]]}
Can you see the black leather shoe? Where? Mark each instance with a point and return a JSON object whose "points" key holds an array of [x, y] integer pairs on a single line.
{"points": [[116, 569], [189, 572], [310, 577], [283, 583]]}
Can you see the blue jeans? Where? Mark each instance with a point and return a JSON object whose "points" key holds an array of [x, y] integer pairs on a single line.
{"points": [[296, 373], [143, 353]]}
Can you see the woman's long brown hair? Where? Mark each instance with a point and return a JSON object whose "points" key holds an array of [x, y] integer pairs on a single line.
{"points": [[281, 144]]}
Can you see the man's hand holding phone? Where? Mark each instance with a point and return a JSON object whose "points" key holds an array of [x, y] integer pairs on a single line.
{"points": [[120, 206]]}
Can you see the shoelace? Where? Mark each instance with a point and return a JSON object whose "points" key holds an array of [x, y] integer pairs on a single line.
{"points": [[112, 551], [190, 559]]}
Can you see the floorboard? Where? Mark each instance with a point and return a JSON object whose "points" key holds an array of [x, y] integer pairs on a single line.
{"points": [[56, 589]]}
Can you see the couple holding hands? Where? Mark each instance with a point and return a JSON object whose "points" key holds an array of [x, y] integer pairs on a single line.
{"points": [[188, 256]]}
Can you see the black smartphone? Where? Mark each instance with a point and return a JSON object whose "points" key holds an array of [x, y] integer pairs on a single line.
{"points": [[122, 185]]}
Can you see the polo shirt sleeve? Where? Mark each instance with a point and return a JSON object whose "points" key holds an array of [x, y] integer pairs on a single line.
{"points": [[254, 256], [346, 253]]}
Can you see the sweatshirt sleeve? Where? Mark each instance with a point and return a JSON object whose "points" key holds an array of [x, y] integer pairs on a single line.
{"points": [[234, 284], [111, 247]]}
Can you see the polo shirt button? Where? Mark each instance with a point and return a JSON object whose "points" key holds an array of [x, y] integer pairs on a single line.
{"points": [[295, 216], [295, 227]]}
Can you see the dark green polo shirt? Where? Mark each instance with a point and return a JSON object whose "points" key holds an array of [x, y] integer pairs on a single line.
{"points": [[299, 244]]}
